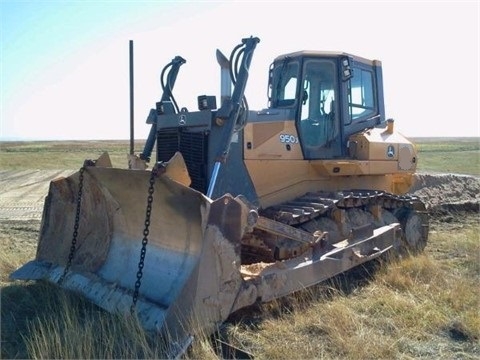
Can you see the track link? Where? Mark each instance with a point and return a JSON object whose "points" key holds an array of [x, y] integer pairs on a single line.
{"points": [[312, 205], [343, 213]]}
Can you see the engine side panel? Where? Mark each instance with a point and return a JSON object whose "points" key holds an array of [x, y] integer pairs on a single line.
{"points": [[288, 179], [272, 140]]}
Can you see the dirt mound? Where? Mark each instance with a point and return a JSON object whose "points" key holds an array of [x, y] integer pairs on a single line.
{"points": [[448, 192]]}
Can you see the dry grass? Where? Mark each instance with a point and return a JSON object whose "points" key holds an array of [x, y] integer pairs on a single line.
{"points": [[418, 307], [423, 307], [18, 241], [61, 325], [413, 308]]}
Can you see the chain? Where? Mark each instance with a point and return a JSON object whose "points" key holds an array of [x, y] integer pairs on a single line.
{"points": [[146, 231], [75, 227]]}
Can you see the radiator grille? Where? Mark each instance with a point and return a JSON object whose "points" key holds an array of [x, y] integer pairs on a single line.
{"points": [[194, 149], [167, 144]]}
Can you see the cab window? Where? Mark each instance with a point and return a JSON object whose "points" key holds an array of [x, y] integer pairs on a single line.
{"points": [[361, 96]]}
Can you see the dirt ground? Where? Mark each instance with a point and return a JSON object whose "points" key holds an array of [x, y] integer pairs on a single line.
{"points": [[22, 193], [449, 197], [448, 191]]}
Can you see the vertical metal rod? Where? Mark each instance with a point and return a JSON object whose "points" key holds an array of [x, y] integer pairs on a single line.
{"points": [[132, 141], [213, 180]]}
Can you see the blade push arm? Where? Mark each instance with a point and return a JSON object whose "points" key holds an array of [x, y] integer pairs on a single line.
{"points": [[228, 115]]}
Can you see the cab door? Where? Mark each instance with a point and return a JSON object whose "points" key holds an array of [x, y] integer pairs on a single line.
{"points": [[318, 122]]}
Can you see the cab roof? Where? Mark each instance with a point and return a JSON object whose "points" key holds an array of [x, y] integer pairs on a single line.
{"points": [[318, 53]]}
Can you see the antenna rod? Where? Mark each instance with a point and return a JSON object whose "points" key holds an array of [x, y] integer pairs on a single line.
{"points": [[132, 142]]}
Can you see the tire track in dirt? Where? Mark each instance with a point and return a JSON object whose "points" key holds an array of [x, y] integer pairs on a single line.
{"points": [[22, 192]]}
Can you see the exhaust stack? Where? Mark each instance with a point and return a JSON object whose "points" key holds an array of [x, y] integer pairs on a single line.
{"points": [[225, 79]]}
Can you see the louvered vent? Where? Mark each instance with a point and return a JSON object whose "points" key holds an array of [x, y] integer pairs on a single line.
{"points": [[167, 144], [194, 148]]}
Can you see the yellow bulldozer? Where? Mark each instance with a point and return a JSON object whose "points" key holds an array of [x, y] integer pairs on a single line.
{"points": [[240, 206]]}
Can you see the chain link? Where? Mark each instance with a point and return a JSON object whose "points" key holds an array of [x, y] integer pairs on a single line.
{"points": [[146, 231], [75, 226]]}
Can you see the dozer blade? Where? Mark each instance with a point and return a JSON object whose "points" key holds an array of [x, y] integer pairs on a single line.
{"points": [[190, 275]]}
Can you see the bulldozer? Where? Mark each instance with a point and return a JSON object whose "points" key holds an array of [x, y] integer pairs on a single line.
{"points": [[239, 207]]}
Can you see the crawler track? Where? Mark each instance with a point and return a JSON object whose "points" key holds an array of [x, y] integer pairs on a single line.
{"points": [[313, 205], [343, 214]]}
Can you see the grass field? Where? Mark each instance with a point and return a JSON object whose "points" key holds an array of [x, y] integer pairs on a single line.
{"points": [[450, 155], [62, 155], [422, 307]]}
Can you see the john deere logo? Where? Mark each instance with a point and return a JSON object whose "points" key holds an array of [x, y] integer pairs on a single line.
{"points": [[182, 120], [390, 151]]}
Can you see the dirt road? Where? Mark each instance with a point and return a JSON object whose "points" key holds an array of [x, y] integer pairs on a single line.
{"points": [[22, 192]]}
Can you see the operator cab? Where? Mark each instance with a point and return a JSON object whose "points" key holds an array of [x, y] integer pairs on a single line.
{"points": [[330, 95]]}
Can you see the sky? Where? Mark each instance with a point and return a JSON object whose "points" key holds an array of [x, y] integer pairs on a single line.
{"points": [[64, 65]]}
